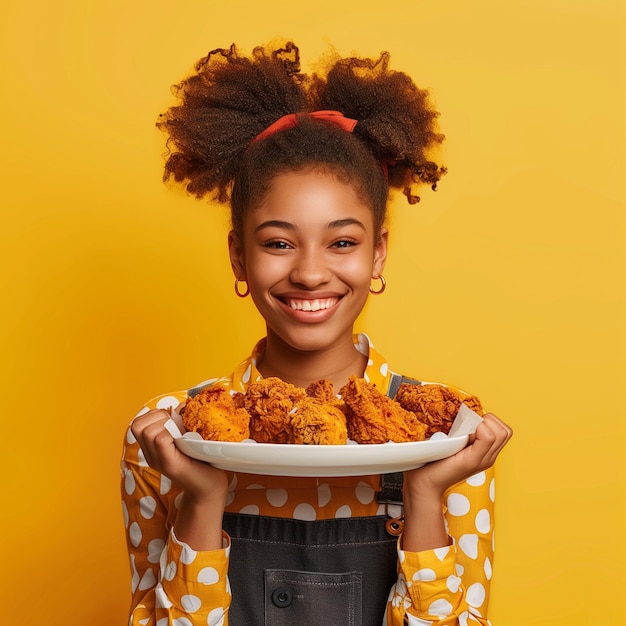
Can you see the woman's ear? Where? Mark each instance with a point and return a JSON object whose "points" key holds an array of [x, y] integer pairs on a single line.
{"points": [[380, 253], [237, 259]]}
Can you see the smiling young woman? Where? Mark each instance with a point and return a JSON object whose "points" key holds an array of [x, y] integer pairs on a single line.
{"points": [[309, 252], [307, 164]]}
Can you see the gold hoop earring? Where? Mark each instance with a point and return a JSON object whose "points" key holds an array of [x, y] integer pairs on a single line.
{"points": [[383, 286], [247, 291]]}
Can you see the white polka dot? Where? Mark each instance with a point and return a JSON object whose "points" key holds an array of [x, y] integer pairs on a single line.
{"points": [[442, 553], [164, 621], [165, 486], [170, 571], [472, 619], [134, 583], [394, 510], [177, 500], [463, 618], [190, 603], [453, 583], [492, 490], [459, 569], [253, 486], [250, 509], [182, 621], [208, 576], [167, 402], [161, 599], [425, 574], [125, 514], [246, 375], [277, 497], [155, 549], [129, 483], [215, 617], [147, 507], [384, 368], [477, 479], [343, 511], [148, 580], [475, 594], [324, 494], [401, 588], [141, 459], [440, 608], [488, 569], [469, 545], [230, 496], [483, 521], [187, 555], [458, 504], [416, 621], [134, 533], [304, 512], [364, 493], [130, 438]]}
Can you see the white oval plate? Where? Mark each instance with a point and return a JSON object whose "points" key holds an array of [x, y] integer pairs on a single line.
{"points": [[323, 460]]}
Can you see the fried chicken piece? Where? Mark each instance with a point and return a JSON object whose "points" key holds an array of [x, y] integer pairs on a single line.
{"points": [[322, 391], [435, 405], [270, 402], [213, 415], [375, 418], [313, 422], [282, 413]]}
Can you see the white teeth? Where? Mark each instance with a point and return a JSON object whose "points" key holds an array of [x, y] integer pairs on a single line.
{"points": [[311, 305]]}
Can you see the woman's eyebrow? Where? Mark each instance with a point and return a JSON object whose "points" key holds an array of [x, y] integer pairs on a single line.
{"points": [[275, 224], [349, 221]]}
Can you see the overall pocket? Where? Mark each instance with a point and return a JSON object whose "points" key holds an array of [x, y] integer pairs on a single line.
{"points": [[318, 599]]}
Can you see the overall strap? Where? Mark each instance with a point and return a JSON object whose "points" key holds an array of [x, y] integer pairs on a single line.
{"points": [[391, 484]]}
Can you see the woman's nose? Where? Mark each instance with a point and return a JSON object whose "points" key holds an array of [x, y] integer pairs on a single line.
{"points": [[310, 270]]}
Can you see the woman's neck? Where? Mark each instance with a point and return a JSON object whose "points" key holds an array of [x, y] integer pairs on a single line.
{"points": [[301, 368]]}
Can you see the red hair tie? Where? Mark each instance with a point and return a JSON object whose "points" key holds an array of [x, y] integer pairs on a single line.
{"points": [[291, 120], [336, 118]]}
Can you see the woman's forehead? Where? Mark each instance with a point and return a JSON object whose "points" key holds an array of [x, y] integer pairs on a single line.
{"points": [[311, 195]]}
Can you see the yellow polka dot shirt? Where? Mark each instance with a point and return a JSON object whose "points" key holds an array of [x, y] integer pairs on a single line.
{"points": [[173, 584]]}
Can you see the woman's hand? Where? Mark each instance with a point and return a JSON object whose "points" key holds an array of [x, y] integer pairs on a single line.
{"points": [[199, 519], [424, 527], [483, 447]]}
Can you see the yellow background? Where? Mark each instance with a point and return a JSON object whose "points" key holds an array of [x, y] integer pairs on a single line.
{"points": [[509, 281]]}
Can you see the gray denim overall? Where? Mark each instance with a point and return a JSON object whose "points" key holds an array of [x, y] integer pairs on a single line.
{"points": [[336, 572]]}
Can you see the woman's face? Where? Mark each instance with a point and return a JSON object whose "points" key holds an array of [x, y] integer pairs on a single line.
{"points": [[308, 253]]}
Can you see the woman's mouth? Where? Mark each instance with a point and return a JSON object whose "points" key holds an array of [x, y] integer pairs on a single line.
{"points": [[319, 304]]}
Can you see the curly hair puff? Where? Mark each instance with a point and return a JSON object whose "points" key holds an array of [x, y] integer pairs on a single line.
{"points": [[231, 98]]}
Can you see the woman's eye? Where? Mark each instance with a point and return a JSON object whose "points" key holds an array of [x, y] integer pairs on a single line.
{"points": [[344, 243], [276, 245]]}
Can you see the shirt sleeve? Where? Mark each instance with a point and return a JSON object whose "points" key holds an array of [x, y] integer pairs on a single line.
{"points": [[169, 580], [450, 585]]}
